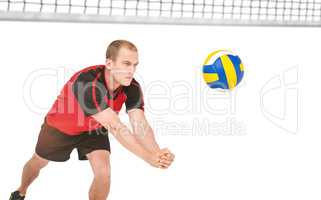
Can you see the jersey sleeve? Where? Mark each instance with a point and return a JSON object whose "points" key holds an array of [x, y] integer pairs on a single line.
{"points": [[135, 97], [90, 94]]}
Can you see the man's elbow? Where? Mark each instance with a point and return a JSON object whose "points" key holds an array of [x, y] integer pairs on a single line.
{"points": [[109, 119]]}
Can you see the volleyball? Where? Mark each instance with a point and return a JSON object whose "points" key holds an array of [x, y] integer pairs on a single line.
{"points": [[223, 69]]}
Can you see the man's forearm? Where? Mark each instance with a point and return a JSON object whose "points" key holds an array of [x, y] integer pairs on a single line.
{"points": [[146, 137]]}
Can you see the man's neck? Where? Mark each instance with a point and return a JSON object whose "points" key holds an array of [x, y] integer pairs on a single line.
{"points": [[112, 84]]}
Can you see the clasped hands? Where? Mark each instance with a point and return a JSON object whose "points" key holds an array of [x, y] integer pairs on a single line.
{"points": [[162, 158]]}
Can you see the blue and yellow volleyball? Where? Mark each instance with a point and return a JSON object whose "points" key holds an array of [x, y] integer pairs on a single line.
{"points": [[223, 69]]}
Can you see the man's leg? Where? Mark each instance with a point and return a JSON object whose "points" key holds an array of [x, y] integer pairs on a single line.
{"points": [[99, 161], [30, 172]]}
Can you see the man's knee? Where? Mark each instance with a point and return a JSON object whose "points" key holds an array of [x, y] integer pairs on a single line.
{"points": [[38, 162], [99, 161], [102, 175]]}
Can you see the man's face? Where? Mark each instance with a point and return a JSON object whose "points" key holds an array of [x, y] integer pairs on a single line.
{"points": [[124, 67]]}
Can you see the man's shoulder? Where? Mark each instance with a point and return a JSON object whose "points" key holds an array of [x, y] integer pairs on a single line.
{"points": [[134, 84], [88, 74], [133, 89]]}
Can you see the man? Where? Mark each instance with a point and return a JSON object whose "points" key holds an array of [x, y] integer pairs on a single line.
{"points": [[85, 111]]}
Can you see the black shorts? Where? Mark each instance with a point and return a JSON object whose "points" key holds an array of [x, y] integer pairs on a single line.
{"points": [[55, 145]]}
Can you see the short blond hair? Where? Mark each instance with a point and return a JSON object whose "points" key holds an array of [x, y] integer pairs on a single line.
{"points": [[114, 47]]}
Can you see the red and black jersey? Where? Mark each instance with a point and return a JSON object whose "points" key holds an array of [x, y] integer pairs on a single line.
{"points": [[85, 94]]}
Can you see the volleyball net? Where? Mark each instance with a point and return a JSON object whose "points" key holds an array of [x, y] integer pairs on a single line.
{"points": [[206, 12]]}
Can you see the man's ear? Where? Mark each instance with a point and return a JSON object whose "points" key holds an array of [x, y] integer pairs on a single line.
{"points": [[108, 63]]}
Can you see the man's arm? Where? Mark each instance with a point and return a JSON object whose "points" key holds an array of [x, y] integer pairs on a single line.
{"points": [[142, 130], [110, 120], [145, 136]]}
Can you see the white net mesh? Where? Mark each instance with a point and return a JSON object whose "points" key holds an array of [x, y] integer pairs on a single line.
{"points": [[257, 12]]}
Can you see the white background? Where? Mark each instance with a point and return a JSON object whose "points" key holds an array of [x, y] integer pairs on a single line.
{"points": [[272, 153]]}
